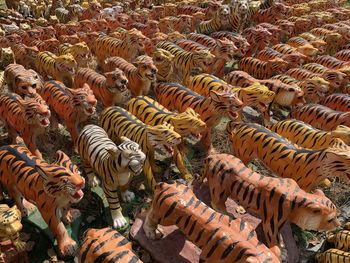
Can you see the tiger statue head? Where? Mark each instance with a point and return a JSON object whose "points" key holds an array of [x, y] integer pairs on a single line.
{"points": [[287, 27], [163, 138], [308, 50], [342, 132], [320, 44], [189, 123], [278, 65], [66, 63], [83, 100], [6, 56], [197, 18], [257, 95], [203, 59], [225, 49], [10, 222], [166, 25], [183, 24], [175, 35], [226, 103], [28, 83], [163, 60], [81, 53], [102, 25], [136, 40], [223, 13], [116, 81], [146, 67], [75, 11], [295, 59], [152, 28], [320, 214], [132, 156], [62, 179], [317, 87], [36, 112]]}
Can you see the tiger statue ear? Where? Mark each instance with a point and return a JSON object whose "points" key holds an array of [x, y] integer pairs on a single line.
{"points": [[338, 144], [214, 95]]}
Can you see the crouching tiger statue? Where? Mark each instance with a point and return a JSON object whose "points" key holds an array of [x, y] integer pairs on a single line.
{"points": [[307, 167], [52, 187], [118, 122], [276, 201], [187, 124], [113, 165], [221, 238]]}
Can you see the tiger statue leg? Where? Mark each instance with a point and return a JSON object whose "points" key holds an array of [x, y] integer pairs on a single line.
{"points": [[155, 168], [179, 162], [93, 180], [32, 145], [147, 170], [69, 215], [150, 225]]}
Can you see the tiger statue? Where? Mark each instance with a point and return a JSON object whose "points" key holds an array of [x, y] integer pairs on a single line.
{"points": [[114, 165], [220, 238], [176, 97], [331, 62], [240, 14], [70, 13], [141, 74], [343, 55], [60, 68], [79, 51], [128, 46], [307, 50], [118, 122], [10, 226], [287, 160], [110, 88], [7, 57], [238, 40], [22, 81], [74, 106], [29, 118], [25, 55], [258, 37], [333, 255], [52, 187], [269, 15], [50, 45], [255, 95], [276, 201], [332, 38], [108, 244], [185, 61], [163, 60], [219, 21], [299, 41], [337, 101], [306, 136], [321, 117], [295, 59], [314, 88], [262, 69], [187, 124], [341, 240]]}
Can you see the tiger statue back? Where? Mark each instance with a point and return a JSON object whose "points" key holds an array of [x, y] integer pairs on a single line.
{"points": [[337, 101]]}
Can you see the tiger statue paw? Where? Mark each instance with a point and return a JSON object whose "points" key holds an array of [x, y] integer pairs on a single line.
{"points": [[127, 196], [70, 215], [118, 219], [68, 248], [151, 233]]}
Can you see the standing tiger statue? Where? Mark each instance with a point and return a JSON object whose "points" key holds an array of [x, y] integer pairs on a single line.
{"points": [[118, 122], [52, 187], [307, 167], [113, 165], [74, 106], [141, 74], [29, 118], [80, 52], [220, 238], [60, 68], [187, 124], [163, 60], [219, 21], [110, 88], [276, 201], [108, 244]]}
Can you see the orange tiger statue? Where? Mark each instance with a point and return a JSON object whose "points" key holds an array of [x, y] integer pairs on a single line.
{"points": [[276, 201], [52, 187], [110, 88], [28, 118], [307, 167], [221, 238], [108, 245], [337, 101]]}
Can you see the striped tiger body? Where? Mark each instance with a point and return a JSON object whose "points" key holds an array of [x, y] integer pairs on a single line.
{"points": [[22, 81], [258, 38], [262, 69], [113, 165], [255, 95], [118, 122], [321, 117], [341, 240], [176, 97], [274, 30], [306, 136], [74, 106], [163, 60], [25, 55], [332, 38], [240, 14], [52, 187], [271, 14], [50, 45], [140, 76], [337, 101], [7, 57], [285, 94], [106, 245], [187, 124], [60, 68], [299, 41], [307, 167], [333, 255], [307, 50], [79, 51], [110, 88], [343, 55], [314, 88], [331, 62], [54, 5], [220, 238], [129, 46], [28, 118], [238, 40], [185, 61], [72, 13], [294, 60], [219, 21], [93, 11], [276, 201]]}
